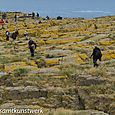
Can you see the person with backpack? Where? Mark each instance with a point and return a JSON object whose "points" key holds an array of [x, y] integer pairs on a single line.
{"points": [[96, 55], [14, 35], [7, 35], [32, 46]]}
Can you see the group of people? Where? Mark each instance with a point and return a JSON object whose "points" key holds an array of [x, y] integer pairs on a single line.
{"points": [[13, 35], [31, 44], [97, 55]]}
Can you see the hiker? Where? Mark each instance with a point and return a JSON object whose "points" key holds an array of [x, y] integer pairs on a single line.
{"points": [[59, 18], [26, 34], [33, 15], [96, 55], [4, 16], [2, 23], [37, 15], [15, 18], [47, 17], [40, 22], [14, 35], [7, 35], [32, 46]]}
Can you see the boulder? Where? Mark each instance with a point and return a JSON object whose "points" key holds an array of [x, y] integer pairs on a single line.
{"points": [[112, 109], [19, 93], [88, 80]]}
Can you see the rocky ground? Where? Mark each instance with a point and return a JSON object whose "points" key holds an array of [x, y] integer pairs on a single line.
{"points": [[61, 78]]}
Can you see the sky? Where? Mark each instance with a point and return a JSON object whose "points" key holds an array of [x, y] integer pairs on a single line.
{"points": [[66, 8]]}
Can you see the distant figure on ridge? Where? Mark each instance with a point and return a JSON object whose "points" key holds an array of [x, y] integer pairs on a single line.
{"points": [[47, 17], [15, 18], [4, 16], [59, 18], [7, 35], [37, 15], [32, 46], [96, 55], [33, 15]]}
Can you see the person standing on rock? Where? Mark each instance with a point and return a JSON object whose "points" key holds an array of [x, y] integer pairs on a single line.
{"points": [[96, 55], [32, 46]]}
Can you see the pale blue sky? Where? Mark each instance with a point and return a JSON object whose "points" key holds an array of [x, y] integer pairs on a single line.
{"points": [[66, 8]]}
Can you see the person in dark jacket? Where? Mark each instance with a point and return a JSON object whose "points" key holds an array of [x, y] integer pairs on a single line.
{"points": [[32, 46], [96, 55], [47, 17], [33, 15], [37, 15], [14, 35], [15, 18]]}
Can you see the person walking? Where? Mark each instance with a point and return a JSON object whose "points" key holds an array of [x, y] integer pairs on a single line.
{"points": [[96, 55], [7, 35], [32, 46]]}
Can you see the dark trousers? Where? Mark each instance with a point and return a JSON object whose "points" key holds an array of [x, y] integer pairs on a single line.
{"points": [[7, 38], [95, 61], [32, 51]]}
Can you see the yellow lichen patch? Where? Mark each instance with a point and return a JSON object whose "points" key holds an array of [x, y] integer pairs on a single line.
{"points": [[107, 55], [83, 56], [41, 42], [31, 63], [63, 41], [2, 67], [81, 45], [77, 59], [33, 32], [31, 26], [80, 58], [13, 66], [60, 77], [21, 32], [103, 42], [45, 36], [52, 62]]}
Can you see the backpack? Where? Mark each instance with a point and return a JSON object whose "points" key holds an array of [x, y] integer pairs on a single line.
{"points": [[98, 54]]}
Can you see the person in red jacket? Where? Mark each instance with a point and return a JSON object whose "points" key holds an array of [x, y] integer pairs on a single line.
{"points": [[2, 23]]}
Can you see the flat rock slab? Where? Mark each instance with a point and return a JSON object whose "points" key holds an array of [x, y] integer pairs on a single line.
{"points": [[58, 53], [87, 80], [49, 71], [19, 93]]}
